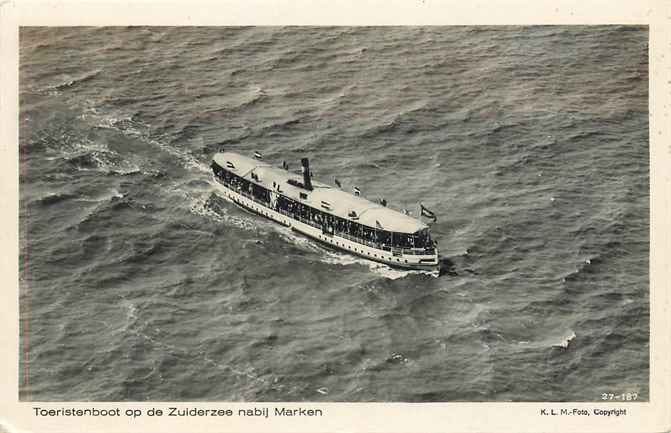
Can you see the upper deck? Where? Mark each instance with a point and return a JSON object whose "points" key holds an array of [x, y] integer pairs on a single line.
{"points": [[326, 198]]}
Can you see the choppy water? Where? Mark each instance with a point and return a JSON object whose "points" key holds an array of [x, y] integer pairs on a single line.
{"points": [[530, 143]]}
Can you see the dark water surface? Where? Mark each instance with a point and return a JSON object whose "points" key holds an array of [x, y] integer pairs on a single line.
{"points": [[530, 143]]}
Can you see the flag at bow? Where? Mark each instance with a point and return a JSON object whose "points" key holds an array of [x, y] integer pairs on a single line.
{"points": [[427, 213]]}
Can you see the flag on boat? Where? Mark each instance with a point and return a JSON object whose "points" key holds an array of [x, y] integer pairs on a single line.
{"points": [[427, 213], [357, 191], [378, 225], [337, 182], [258, 155]]}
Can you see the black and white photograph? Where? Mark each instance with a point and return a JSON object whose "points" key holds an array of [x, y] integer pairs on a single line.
{"points": [[334, 213]]}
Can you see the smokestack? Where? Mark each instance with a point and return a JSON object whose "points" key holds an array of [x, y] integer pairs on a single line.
{"points": [[306, 174]]}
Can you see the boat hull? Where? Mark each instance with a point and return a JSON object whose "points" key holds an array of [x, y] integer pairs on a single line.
{"points": [[334, 241]]}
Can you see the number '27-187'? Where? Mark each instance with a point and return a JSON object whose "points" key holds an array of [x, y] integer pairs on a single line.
{"points": [[629, 396]]}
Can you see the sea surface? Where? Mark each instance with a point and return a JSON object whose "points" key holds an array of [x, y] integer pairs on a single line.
{"points": [[529, 143]]}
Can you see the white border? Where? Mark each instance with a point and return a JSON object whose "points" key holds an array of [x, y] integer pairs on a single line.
{"points": [[654, 416]]}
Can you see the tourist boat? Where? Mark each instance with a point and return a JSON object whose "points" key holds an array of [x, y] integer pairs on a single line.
{"points": [[344, 221]]}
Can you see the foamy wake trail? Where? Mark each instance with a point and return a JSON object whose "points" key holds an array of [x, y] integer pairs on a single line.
{"points": [[87, 154], [127, 125], [200, 204], [187, 159], [111, 162], [62, 144]]}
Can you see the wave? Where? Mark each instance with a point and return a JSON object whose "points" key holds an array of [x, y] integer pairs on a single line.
{"points": [[75, 81], [498, 128], [39, 45], [565, 342], [589, 265], [140, 251], [186, 132], [402, 120], [109, 196], [216, 147], [281, 124], [54, 198], [337, 97], [554, 341], [101, 203], [251, 98], [388, 125]]}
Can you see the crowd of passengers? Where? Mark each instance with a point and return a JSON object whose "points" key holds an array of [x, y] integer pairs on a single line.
{"points": [[330, 223]]}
